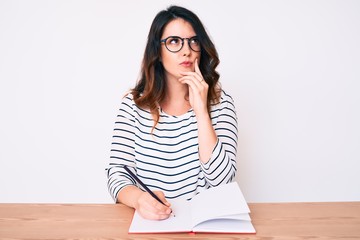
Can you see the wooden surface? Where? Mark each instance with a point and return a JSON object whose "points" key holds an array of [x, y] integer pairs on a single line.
{"points": [[109, 221]]}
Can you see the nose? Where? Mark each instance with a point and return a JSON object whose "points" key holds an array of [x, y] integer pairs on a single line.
{"points": [[186, 50]]}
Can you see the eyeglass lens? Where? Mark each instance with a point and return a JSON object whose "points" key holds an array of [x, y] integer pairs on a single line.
{"points": [[175, 44]]}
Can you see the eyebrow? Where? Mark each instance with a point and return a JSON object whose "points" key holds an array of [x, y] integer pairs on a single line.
{"points": [[174, 36]]}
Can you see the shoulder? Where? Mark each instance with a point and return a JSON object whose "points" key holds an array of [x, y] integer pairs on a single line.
{"points": [[226, 99], [225, 95], [128, 96], [127, 101], [129, 105], [224, 103]]}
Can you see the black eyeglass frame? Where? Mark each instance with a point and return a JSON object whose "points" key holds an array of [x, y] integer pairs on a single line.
{"points": [[182, 43]]}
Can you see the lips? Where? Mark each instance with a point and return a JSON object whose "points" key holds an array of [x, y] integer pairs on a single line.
{"points": [[186, 64]]}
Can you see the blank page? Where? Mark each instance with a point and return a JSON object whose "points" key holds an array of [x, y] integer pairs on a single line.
{"points": [[223, 200]]}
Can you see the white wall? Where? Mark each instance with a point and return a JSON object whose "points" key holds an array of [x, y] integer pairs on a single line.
{"points": [[293, 68]]}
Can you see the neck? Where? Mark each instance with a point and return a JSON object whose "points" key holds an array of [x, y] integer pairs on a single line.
{"points": [[176, 98]]}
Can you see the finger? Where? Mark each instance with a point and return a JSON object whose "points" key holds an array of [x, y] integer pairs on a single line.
{"points": [[150, 208], [193, 75], [161, 216], [155, 208], [161, 196], [147, 214], [197, 78], [163, 207], [197, 69], [192, 82]]}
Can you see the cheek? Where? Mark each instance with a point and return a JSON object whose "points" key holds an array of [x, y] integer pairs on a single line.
{"points": [[168, 61], [198, 56]]}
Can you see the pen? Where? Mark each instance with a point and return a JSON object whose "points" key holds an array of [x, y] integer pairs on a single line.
{"points": [[143, 185]]}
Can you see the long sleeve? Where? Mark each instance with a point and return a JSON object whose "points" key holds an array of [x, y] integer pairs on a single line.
{"points": [[221, 167], [167, 159], [122, 150]]}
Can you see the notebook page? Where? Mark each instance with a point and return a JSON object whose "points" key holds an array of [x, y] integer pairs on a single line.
{"points": [[225, 225], [178, 223], [220, 201]]}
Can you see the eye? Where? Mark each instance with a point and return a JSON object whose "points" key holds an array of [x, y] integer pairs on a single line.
{"points": [[174, 41], [194, 41]]}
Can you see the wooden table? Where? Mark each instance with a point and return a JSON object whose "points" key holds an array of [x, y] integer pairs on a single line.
{"points": [[109, 221]]}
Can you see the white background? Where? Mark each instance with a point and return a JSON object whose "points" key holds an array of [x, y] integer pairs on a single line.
{"points": [[292, 67]]}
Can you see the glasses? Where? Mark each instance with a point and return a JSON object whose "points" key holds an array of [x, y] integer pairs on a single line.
{"points": [[175, 44]]}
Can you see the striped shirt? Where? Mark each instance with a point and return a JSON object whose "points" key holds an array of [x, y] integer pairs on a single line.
{"points": [[168, 159]]}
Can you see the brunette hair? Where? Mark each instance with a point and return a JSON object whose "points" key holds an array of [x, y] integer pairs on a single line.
{"points": [[150, 88]]}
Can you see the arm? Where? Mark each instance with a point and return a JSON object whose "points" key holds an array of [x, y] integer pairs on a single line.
{"points": [[198, 90], [122, 150], [221, 167], [122, 186], [217, 144]]}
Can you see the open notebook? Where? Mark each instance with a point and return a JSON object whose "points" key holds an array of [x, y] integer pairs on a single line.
{"points": [[221, 209]]}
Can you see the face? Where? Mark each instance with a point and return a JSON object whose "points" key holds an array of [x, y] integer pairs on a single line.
{"points": [[183, 60]]}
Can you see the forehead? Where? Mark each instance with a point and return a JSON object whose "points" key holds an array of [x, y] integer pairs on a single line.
{"points": [[178, 27]]}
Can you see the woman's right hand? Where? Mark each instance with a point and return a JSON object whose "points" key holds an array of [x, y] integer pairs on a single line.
{"points": [[149, 208]]}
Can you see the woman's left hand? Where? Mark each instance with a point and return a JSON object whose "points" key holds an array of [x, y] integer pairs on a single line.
{"points": [[198, 89]]}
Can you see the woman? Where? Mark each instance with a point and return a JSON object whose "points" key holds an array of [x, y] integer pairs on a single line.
{"points": [[177, 129]]}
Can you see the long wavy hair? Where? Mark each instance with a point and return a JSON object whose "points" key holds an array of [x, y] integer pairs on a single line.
{"points": [[150, 88]]}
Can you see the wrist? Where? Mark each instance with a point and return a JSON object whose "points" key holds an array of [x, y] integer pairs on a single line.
{"points": [[130, 196], [202, 116], [200, 110], [136, 198]]}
